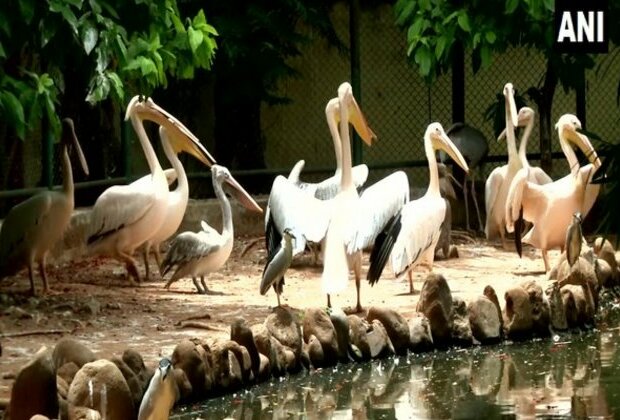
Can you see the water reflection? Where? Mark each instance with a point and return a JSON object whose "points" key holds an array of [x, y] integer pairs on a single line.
{"points": [[577, 378]]}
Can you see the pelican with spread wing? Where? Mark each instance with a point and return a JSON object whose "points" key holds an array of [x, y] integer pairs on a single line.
{"points": [[124, 217], [411, 236], [34, 226], [550, 207]]}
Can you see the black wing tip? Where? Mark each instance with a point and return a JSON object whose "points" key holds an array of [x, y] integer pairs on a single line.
{"points": [[519, 224], [382, 248]]}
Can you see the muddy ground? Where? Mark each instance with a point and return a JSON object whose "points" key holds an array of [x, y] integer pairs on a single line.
{"points": [[93, 302]]}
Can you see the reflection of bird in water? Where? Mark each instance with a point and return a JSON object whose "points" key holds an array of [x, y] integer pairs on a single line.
{"points": [[573, 240], [278, 262], [474, 147]]}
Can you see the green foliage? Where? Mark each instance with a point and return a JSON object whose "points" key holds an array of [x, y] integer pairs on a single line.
{"points": [[41, 39]]}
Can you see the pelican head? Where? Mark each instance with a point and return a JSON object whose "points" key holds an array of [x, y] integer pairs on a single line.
{"points": [[577, 217], [440, 141], [180, 137], [524, 117], [165, 367], [222, 174], [69, 138], [509, 94], [356, 116], [567, 127]]}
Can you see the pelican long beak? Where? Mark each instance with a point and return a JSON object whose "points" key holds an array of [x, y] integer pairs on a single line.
{"points": [[242, 195], [181, 137], [69, 137], [444, 143], [511, 104], [358, 120], [583, 143]]}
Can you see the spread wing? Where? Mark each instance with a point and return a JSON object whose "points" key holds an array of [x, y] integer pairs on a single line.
{"points": [[328, 188], [376, 206]]}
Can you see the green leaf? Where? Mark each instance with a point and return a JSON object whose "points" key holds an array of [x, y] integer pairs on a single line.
{"points": [[117, 85], [4, 23], [100, 89], [111, 11], [441, 45], [485, 56], [89, 38], [511, 6], [2, 52], [423, 59], [425, 4], [94, 5], [121, 46], [47, 28], [490, 37], [199, 19], [450, 17], [195, 38], [52, 117], [14, 110], [405, 14], [26, 7], [464, 22]]}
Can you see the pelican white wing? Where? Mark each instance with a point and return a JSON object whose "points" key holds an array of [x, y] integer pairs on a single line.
{"points": [[328, 188], [377, 205], [491, 191], [188, 246]]}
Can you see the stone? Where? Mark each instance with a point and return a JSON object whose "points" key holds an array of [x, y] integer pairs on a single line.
{"points": [[604, 250], [262, 338], [540, 308], [283, 324], [379, 340], [582, 310], [395, 325], [341, 325], [39, 417], [315, 352], [517, 314], [34, 390], [69, 350], [100, 386], [490, 294], [191, 358], [484, 320], [183, 384], [436, 304], [358, 329], [91, 307], [604, 275], [83, 413], [454, 252], [133, 382], [420, 336], [461, 329], [242, 334], [316, 322], [570, 307], [243, 358], [557, 308], [220, 367], [264, 368], [67, 372], [581, 274], [286, 361]]}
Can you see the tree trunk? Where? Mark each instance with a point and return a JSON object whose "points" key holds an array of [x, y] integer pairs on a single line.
{"points": [[545, 103]]}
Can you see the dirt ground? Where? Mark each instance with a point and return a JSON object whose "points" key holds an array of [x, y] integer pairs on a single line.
{"points": [[93, 302]]}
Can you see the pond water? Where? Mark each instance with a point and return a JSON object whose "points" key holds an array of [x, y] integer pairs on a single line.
{"points": [[575, 376]]}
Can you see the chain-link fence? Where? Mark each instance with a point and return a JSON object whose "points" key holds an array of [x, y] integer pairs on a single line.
{"points": [[395, 99]]}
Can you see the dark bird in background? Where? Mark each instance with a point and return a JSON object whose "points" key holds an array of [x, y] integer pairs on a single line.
{"points": [[474, 147], [573, 240]]}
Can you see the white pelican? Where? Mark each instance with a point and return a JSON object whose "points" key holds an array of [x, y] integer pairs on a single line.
{"points": [[277, 264], [498, 182], [411, 237], [328, 188], [196, 254], [356, 221], [550, 207], [177, 202], [525, 117], [126, 216], [33, 227]]}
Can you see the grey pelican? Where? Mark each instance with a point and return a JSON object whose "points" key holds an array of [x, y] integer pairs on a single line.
{"points": [[498, 182], [161, 394], [411, 237], [356, 221], [33, 227], [126, 216], [474, 147], [177, 202], [278, 262], [550, 207], [196, 254], [573, 240]]}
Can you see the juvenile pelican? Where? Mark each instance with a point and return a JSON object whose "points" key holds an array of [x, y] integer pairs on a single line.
{"points": [[278, 262], [525, 118], [177, 203], [574, 237], [126, 216], [498, 182], [196, 254], [355, 220], [34, 226], [550, 207], [411, 237]]}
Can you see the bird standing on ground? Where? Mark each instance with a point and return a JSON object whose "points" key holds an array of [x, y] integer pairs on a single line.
{"points": [[198, 253], [278, 262], [411, 237], [126, 216], [574, 237], [33, 227]]}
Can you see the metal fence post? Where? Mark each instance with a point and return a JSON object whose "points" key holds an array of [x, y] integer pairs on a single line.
{"points": [[356, 83], [580, 98], [126, 149], [47, 144], [458, 83]]}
